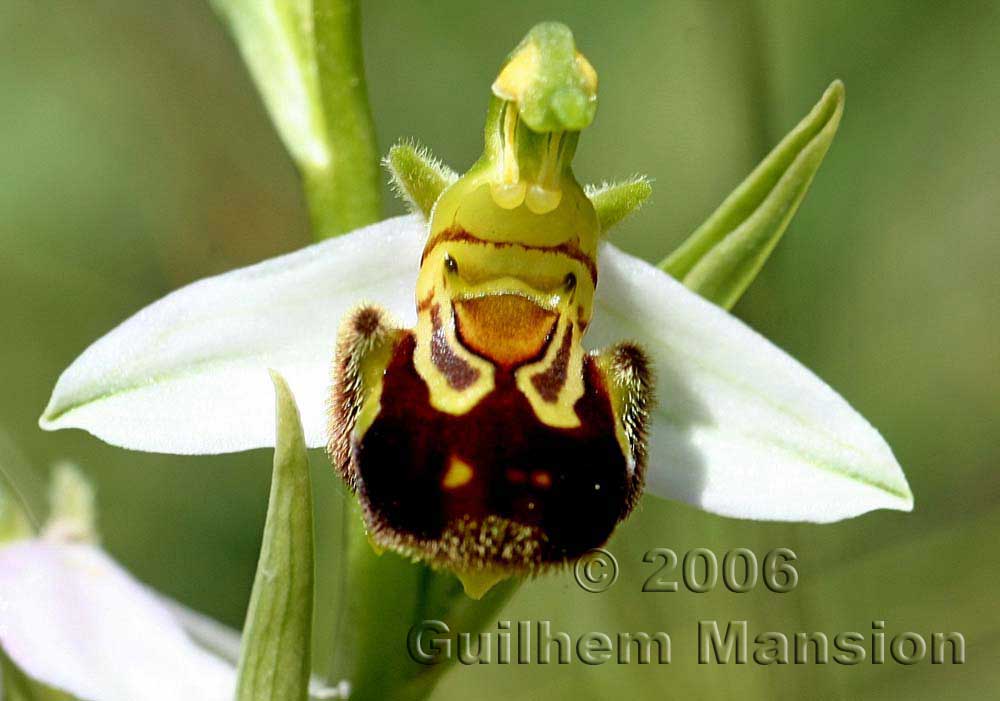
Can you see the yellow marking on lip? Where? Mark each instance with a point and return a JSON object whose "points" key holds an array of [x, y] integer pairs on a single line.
{"points": [[459, 474], [554, 383]]}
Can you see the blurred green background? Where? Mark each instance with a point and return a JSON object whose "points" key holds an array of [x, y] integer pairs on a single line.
{"points": [[135, 157]]}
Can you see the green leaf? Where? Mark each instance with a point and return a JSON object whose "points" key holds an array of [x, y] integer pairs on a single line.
{"points": [[305, 57], [616, 201], [275, 657], [275, 38], [723, 256], [417, 176]]}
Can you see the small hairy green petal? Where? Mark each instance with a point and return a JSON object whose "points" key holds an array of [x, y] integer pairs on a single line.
{"points": [[275, 657], [723, 256], [417, 176], [615, 201]]}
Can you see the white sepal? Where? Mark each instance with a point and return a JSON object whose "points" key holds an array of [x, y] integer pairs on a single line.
{"points": [[71, 618], [189, 373], [740, 428]]}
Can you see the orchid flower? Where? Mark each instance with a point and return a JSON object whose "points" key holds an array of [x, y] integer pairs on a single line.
{"points": [[75, 625], [73, 621], [740, 428]]}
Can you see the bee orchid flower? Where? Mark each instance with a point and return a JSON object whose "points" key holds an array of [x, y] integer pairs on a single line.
{"points": [[497, 355], [73, 621]]}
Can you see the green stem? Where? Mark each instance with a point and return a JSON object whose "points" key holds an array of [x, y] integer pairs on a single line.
{"points": [[382, 596], [343, 193], [385, 595]]}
